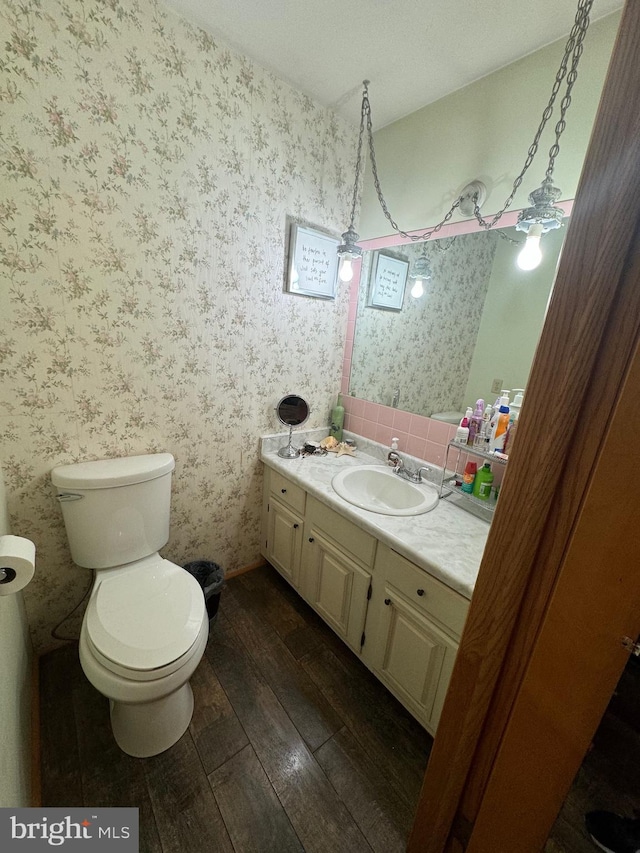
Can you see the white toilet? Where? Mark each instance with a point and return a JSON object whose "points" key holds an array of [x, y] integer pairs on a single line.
{"points": [[146, 626]]}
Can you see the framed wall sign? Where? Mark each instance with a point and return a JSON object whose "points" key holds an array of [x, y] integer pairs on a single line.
{"points": [[387, 282], [312, 266]]}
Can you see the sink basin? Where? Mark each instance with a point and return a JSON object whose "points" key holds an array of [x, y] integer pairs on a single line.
{"points": [[380, 490]]}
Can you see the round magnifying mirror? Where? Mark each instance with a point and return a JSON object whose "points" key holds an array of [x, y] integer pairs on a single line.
{"points": [[292, 410]]}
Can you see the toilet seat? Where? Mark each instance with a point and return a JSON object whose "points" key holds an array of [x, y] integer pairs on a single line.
{"points": [[143, 620]]}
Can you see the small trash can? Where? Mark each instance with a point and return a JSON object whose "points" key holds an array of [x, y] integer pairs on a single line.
{"points": [[211, 578]]}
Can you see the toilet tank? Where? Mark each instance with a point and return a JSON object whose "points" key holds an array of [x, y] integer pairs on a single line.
{"points": [[115, 510]]}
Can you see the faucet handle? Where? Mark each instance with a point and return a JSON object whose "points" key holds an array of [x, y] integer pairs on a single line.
{"points": [[394, 459], [420, 470]]}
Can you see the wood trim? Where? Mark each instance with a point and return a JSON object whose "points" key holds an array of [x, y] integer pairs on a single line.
{"points": [[36, 767], [589, 335], [578, 657], [257, 565]]}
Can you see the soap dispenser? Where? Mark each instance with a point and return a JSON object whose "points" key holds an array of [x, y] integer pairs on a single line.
{"points": [[337, 420]]}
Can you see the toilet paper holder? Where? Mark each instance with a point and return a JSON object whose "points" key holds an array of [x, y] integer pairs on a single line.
{"points": [[6, 574]]}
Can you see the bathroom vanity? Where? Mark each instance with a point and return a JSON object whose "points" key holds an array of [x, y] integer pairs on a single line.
{"points": [[395, 589]]}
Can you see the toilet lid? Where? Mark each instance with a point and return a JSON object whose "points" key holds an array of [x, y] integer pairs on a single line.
{"points": [[145, 618]]}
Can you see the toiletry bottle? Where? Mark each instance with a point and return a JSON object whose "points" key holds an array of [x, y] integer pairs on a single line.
{"points": [[509, 436], [337, 420], [468, 477], [500, 424], [483, 482], [518, 394], [475, 422], [462, 433]]}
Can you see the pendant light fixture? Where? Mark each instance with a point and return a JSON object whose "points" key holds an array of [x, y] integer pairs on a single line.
{"points": [[420, 273], [542, 216]]}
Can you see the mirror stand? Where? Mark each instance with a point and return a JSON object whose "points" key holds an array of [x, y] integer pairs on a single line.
{"points": [[292, 410], [289, 451]]}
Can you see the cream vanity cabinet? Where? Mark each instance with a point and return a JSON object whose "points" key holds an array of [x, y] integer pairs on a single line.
{"points": [[403, 623], [283, 525], [335, 579], [414, 623]]}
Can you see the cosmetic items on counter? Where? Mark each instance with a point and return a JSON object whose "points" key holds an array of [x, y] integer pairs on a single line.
{"points": [[500, 424], [483, 483], [468, 477], [462, 433], [475, 422], [337, 420]]}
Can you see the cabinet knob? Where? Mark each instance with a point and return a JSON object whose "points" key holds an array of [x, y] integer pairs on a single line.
{"points": [[420, 591], [284, 491], [311, 539], [387, 601], [296, 526]]}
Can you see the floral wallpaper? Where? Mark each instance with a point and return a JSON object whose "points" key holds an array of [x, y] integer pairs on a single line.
{"points": [[146, 173], [424, 350]]}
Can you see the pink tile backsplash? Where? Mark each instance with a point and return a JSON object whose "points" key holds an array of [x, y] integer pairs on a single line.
{"points": [[402, 421], [419, 436], [438, 432]]}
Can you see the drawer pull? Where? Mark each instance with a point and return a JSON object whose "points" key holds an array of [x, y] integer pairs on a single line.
{"points": [[284, 491], [420, 591], [296, 526], [311, 539], [387, 601]]}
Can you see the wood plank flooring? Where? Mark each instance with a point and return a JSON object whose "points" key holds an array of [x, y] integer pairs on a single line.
{"points": [[293, 745]]}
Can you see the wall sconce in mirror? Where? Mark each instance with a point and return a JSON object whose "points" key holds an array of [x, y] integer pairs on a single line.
{"points": [[535, 221], [291, 411]]}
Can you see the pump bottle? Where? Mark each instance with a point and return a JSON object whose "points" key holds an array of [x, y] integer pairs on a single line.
{"points": [[500, 424]]}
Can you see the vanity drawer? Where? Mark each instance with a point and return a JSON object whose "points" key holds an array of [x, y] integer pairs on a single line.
{"points": [[287, 492], [428, 595], [345, 533]]}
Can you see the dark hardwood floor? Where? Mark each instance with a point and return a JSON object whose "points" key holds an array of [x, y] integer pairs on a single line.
{"points": [[293, 744]]}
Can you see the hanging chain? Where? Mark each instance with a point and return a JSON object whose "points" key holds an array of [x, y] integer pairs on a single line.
{"points": [[574, 46], [356, 183], [366, 115]]}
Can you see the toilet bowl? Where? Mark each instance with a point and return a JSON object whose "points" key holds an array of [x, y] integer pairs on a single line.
{"points": [[146, 627]]}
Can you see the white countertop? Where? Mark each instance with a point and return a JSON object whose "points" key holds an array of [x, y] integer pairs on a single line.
{"points": [[447, 542]]}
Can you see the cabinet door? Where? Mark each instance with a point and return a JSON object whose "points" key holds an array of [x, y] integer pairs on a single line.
{"points": [[335, 586], [410, 654], [284, 541]]}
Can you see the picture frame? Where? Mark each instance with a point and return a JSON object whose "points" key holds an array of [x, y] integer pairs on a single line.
{"points": [[387, 281], [312, 262]]}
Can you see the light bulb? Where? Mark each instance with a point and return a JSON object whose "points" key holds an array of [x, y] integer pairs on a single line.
{"points": [[417, 290], [345, 273], [530, 256]]}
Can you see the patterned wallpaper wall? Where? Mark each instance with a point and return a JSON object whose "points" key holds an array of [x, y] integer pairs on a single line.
{"points": [[425, 349], [146, 172]]}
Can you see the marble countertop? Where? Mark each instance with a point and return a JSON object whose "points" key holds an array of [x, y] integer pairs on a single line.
{"points": [[447, 542]]}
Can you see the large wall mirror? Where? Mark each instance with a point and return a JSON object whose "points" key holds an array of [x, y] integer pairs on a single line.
{"points": [[478, 320]]}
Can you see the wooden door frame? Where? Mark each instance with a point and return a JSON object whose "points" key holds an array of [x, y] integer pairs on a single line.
{"points": [[585, 352]]}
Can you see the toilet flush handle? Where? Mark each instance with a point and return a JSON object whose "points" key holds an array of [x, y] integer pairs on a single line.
{"points": [[65, 497]]}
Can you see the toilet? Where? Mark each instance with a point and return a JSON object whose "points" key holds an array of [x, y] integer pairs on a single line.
{"points": [[145, 628]]}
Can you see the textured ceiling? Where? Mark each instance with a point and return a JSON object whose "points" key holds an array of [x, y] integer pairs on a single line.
{"points": [[412, 51]]}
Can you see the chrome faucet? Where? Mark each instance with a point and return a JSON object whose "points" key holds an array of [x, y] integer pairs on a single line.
{"points": [[395, 460]]}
